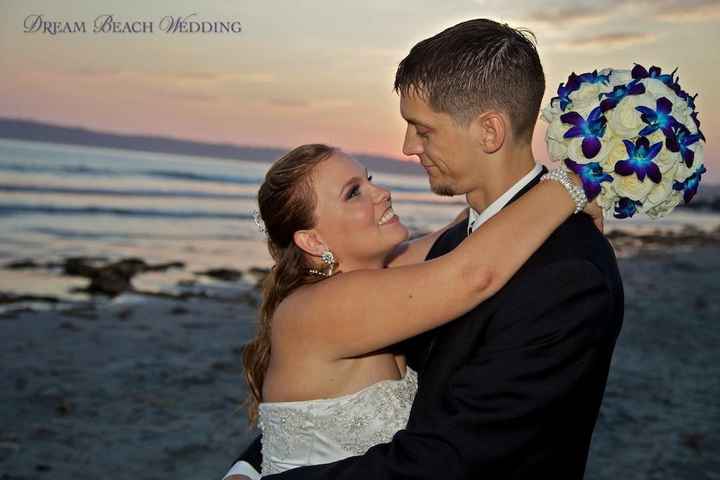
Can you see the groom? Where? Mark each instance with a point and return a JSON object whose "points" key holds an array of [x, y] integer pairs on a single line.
{"points": [[512, 389]]}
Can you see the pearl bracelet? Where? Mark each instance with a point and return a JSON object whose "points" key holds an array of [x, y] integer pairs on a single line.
{"points": [[576, 193]]}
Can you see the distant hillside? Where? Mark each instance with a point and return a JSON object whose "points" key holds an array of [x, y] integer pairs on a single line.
{"points": [[44, 132]]}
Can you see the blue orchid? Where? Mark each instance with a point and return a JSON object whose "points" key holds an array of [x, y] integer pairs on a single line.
{"points": [[639, 72], [675, 87], [690, 186], [681, 141], [640, 160], [594, 77], [658, 119], [626, 207], [591, 130], [620, 92], [574, 83], [694, 115], [565, 89], [591, 174]]}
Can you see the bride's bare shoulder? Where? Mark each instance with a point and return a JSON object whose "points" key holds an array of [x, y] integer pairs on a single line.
{"points": [[302, 302]]}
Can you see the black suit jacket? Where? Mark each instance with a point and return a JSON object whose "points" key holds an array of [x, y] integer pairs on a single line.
{"points": [[512, 389]]}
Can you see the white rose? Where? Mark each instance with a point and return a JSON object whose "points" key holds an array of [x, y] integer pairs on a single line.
{"points": [[620, 77], [699, 149], [557, 151], [666, 160], [665, 207], [624, 120], [557, 145], [616, 151], [552, 111], [631, 187], [587, 95], [607, 198], [681, 113], [662, 191], [658, 89]]}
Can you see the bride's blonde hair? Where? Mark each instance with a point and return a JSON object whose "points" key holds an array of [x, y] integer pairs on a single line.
{"points": [[287, 204]]}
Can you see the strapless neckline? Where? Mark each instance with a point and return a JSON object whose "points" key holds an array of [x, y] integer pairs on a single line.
{"points": [[408, 373]]}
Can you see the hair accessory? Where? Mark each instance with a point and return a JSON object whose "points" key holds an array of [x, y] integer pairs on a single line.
{"points": [[259, 221], [576, 193]]}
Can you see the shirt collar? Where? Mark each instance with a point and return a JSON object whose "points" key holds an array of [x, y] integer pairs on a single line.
{"points": [[476, 219]]}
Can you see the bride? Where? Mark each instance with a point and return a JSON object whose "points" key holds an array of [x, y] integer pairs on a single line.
{"points": [[325, 382]]}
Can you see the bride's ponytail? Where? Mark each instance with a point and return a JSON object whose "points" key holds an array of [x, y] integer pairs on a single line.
{"points": [[287, 204]]}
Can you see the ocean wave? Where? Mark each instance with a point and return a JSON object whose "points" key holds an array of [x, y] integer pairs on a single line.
{"points": [[66, 233], [180, 194], [111, 192], [83, 170], [7, 210], [65, 170]]}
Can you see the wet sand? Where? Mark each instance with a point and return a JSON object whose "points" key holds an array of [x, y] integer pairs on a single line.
{"points": [[150, 388]]}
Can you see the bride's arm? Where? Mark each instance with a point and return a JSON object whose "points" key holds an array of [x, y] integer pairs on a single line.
{"points": [[415, 251], [362, 311]]}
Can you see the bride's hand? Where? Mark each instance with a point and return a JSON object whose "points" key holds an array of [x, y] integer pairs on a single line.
{"points": [[592, 208]]}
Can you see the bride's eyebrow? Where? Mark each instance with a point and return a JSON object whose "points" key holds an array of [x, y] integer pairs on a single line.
{"points": [[351, 181]]}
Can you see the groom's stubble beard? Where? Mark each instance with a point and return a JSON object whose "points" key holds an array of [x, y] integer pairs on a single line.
{"points": [[442, 187], [442, 190]]}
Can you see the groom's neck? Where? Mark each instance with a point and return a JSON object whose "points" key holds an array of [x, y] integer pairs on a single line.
{"points": [[499, 176]]}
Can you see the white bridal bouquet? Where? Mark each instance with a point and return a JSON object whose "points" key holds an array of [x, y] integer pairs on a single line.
{"points": [[632, 136]]}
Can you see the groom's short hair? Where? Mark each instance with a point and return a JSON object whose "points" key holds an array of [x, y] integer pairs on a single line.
{"points": [[475, 66]]}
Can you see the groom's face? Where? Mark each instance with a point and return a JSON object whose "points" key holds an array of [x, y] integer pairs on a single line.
{"points": [[443, 146]]}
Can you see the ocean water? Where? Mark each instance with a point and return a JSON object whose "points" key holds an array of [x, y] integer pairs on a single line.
{"points": [[58, 201]]}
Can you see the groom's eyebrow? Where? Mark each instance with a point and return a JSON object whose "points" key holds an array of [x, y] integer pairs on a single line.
{"points": [[416, 123]]}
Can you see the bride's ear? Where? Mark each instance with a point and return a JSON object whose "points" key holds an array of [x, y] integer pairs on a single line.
{"points": [[309, 241]]}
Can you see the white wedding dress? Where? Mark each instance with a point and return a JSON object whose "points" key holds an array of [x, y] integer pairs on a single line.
{"points": [[312, 432]]}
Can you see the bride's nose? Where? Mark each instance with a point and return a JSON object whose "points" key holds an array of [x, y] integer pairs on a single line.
{"points": [[382, 194]]}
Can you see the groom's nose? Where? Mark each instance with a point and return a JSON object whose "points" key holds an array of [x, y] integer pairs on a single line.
{"points": [[412, 144]]}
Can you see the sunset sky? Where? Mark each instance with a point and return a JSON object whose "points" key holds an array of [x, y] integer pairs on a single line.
{"points": [[305, 71]]}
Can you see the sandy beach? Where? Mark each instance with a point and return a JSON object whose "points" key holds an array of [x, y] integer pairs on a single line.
{"points": [[142, 387]]}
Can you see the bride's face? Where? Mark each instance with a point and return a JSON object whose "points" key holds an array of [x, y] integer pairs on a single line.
{"points": [[354, 216]]}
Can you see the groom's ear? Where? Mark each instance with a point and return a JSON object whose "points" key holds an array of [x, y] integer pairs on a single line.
{"points": [[309, 241], [490, 130]]}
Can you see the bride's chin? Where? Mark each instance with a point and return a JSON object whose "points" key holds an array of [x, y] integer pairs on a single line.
{"points": [[406, 233], [403, 234]]}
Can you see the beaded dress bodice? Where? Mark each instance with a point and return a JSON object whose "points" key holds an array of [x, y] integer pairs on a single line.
{"points": [[312, 432]]}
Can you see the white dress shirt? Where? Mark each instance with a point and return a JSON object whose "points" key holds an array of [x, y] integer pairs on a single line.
{"points": [[476, 219]]}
